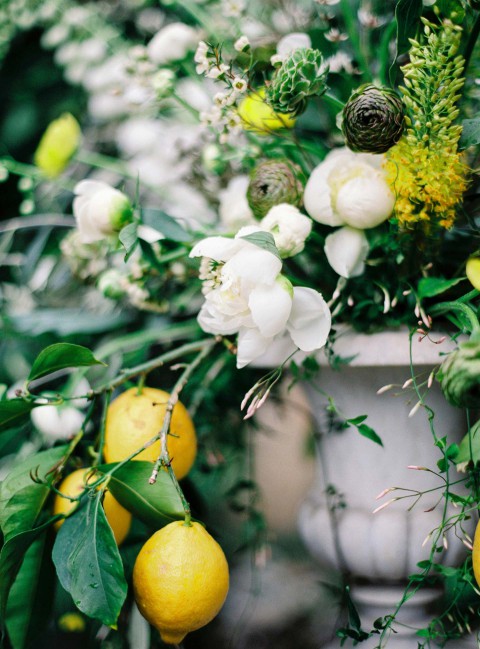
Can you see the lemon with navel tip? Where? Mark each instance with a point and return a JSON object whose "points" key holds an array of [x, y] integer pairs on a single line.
{"points": [[180, 580]]}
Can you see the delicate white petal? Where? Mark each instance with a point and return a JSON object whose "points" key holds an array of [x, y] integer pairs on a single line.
{"points": [[89, 187], [214, 321], [365, 201], [217, 248], [246, 230], [317, 199], [270, 306], [87, 230], [253, 264], [310, 320], [251, 344], [149, 234], [346, 250]]}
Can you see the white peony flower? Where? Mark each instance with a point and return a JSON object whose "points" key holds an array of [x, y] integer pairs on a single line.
{"points": [[100, 210], [234, 209], [346, 250], [246, 294], [289, 228], [57, 422], [292, 42], [172, 43], [349, 188]]}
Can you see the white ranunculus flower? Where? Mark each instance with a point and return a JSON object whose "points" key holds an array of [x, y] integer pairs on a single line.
{"points": [[172, 43], [289, 228], [349, 188], [57, 423], [246, 294], [293, 41], [234, 209], [100, 210], [346, 250]]}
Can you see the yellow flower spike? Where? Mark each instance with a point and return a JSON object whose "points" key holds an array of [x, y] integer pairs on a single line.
{"points": [[58, 145], [259, 117], [473, 272]]}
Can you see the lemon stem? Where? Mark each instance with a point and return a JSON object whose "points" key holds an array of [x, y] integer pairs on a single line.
{"points": [[141, 383], [103, 423], [163, 459]]}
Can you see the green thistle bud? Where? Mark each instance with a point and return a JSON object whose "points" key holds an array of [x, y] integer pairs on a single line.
{"points": [[273, 182], [373, 119], [459, 376], [302, 75]]}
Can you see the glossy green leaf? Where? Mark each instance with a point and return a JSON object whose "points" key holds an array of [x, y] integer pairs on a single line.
{"points": [[14, 412], [30, 596], [407, 15], [470, 133], [60, 356], [167, 225], [369, 433], [157, 504], [11, 558], [88, 563], [22, 499], [433, 286], [263, 240], [469, 447], [128, 238]]}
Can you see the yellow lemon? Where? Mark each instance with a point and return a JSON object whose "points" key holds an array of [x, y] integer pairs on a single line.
{"points": [[473, 272], [118, 517], [58, 145], [476, 554], [259, 117], [133, 419], [180, 580]]}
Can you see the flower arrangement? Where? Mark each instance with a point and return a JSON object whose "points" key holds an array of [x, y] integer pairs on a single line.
{"points": [[246, 181]]}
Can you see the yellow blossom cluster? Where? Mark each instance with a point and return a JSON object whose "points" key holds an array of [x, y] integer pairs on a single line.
{"points": [[425, 168]]}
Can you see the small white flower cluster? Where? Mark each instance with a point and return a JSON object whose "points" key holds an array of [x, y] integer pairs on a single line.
{"points": [[222, 116]]}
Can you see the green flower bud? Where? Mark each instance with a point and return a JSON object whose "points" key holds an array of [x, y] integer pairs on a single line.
{"points": [[301, 75], [459, 376], [273, 182], [373, 119]]}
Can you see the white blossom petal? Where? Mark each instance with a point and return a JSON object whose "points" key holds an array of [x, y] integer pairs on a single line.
{"points": [[270, 306], [217, 248], [346, 250], [310, 320], [251, 344], [254, 265]]}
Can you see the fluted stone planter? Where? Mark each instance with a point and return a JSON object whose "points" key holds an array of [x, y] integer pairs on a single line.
{"points": [[379, 551]]}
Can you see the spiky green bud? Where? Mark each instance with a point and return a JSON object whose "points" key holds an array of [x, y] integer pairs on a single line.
{"points": [[373, 119], [301, 75], [273, 182], [459, 376]]}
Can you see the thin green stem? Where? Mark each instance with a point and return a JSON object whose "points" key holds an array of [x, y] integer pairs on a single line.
{"points": [[465, 309], [30, 171], [163, 459], [103, 423], [193, 111], [154, 363], [37, 221], [351, 25], [333, 101]]}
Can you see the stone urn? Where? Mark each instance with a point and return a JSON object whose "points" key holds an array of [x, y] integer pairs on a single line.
{"points": [[378, 551]]}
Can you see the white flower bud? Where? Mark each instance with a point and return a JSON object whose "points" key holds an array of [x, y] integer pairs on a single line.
{"points": [[289, 228], [172, 43], [242, 44], [100, 210], [346, 250], [57, 423]]}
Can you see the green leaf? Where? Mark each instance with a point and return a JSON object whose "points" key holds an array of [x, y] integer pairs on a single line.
{"points": [[263, 240], [14, 412], [167, 225], [369, 433], [433, 286], [129, 239], [469, 447], [59, 356], [470, 133], [357, 420], [88, 563], [22, 499], [407, 16], [30, 596], [11, 558], [155, 505]]}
